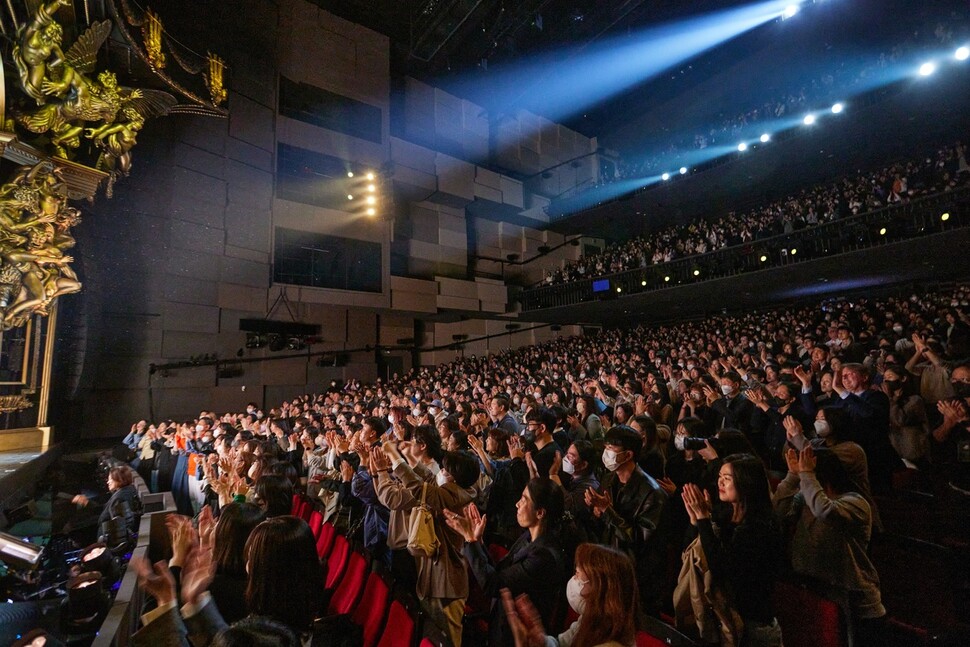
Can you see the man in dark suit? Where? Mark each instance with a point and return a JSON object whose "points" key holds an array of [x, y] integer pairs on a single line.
{"points": [[730, 409], [869, 410]]}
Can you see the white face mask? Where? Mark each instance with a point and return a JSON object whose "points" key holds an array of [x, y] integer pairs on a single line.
{"points": [[416, 412], [568, 467], [609, 460], [574, 594], [441, 478], [199, 427], [725, 389], [433, 411], [679, 442], [392, 419], [823, 428]]}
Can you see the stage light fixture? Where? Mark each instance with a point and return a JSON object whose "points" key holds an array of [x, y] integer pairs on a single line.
{"points": [[371, 212], [764, 258], [882, 232], [789, 11], [666, 279], [643, 283], [619, 290], [945, 217], [808, 120], [371, 188], [962, 53], [794, 251], [837, 108], [742, 147], [665, 177], [350, 196], [18, 552], [765, 138], [370, 177], [683, 170], [927, 68], [697, 272], [350, 174], [371, 199]]}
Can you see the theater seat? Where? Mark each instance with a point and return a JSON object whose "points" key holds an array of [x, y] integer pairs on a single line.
{"points": [[350, 587], [295, 505], [337, 561], [325, 541], [316, 523], [808, 617], [399, 629], [372, 608]]}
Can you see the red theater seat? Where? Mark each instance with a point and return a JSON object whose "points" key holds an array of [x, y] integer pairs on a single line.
{"points": [[350, 587], [400, 627], [372, 608], [337, 561], [316, 523], [325, 541], [809, 617]]}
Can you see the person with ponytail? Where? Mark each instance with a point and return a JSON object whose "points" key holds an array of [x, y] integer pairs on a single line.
{"points": [[533, 565]]}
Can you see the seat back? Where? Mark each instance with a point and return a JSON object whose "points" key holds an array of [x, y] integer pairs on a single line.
{"points": [[399, 629], [808, 617], [372, 608], [325, 541], [316, 523], [337, 561], [295, 505], [351, 585]]}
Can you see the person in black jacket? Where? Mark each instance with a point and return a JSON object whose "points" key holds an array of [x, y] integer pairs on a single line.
{"points": [[630, 506], [744, 554], [124, 502], [533, 564]]}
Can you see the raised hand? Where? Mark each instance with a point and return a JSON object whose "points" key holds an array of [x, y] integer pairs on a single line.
{"points": [[379, 460], [197, 574], [806, 460], [599, 503], [791, 458], [155, 579], [515, 447], [556, 466], [533, 470], [803, 376], [207, 526], [793, 428], [697, 502]]}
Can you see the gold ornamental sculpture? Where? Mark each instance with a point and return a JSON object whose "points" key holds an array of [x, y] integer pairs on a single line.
{"points": [[68, 127]]}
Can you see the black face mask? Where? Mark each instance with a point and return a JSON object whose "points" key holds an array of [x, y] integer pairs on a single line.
{"points": [[961, 389], [893, 385]]}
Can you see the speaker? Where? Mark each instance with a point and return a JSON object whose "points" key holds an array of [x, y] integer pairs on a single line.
{"points": [[282, 328]]}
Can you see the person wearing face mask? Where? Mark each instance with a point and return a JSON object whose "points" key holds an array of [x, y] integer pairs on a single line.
{"points": [[602, 592], [833, 430], [767, 421], [729, 408], [951, 438], [909, 429], [579, 462], [533, 565], [630, 505]]}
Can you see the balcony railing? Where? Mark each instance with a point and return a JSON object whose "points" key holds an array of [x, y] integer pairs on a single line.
{"points": [[929, 215]]}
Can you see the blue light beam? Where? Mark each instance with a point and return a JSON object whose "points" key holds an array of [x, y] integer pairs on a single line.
{"points": [[557, 87]]}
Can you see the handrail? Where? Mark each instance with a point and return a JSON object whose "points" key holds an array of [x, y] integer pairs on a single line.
{"points": [[901, 222]]}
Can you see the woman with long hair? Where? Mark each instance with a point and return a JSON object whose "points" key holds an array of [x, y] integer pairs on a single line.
{"points": [[236, 523], [533, 564], [603, 591], [743, 553]]}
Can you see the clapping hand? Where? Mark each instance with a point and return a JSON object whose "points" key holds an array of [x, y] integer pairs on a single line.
{"points": [[667, 484], [207, 526], [515, 447], [600, 503], [155, 579], [524, 620], [807, 460], [791, 458], [793, 428], [197, 574], [697, 502], [378, 460], [470, 525], [804, 377], [533, 470]]}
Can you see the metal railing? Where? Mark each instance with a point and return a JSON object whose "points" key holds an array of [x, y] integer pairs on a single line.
{"points": [[929, 215]]}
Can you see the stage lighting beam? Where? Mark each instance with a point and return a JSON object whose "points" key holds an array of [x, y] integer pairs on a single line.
{"points": [[683, 170], [665, 177], [742, 147], [808, 120], [962, 53], [837, 108], [790, 11], [927, 68], [765, 138]]}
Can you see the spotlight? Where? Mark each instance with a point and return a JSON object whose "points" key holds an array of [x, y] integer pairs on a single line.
{"points": [[763, 258], [665, 177], [683, 170], [742, 147], [962, 53], [371, 212], [765, 138], [945, 217], [927, 68], [643, 283], [619, 289], [666, 279], [789, 11], [86, 600], [808, 120], [97, 557], [350, 174], [837, 108], [371, 188], [697, 272], [371, 199], [18, 552], [882, 232], [350, 196], [793, 251], [370, 177]]}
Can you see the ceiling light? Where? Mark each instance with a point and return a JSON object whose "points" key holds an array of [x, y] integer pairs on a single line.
{"points": [[808, 120], [370, 176], [619, 289], [371, 199], [742, 147], [837, 108], [697, 272], [765, 138], [666, 279], [371, 212], [962, 53], [945, 217], [927, 68], [643, 283], [882, 232], [763, 258], [371, 188], [350, 174], [350, 196], [793, 251]]}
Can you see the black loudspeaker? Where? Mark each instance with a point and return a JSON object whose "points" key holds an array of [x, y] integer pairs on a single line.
{"points": [[282, 328]]}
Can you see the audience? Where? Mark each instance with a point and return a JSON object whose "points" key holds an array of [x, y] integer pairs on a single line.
{"points": [[592, 462]]}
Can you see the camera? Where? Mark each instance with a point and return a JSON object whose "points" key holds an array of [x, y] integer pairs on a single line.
{"points": [[699, 443]]}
